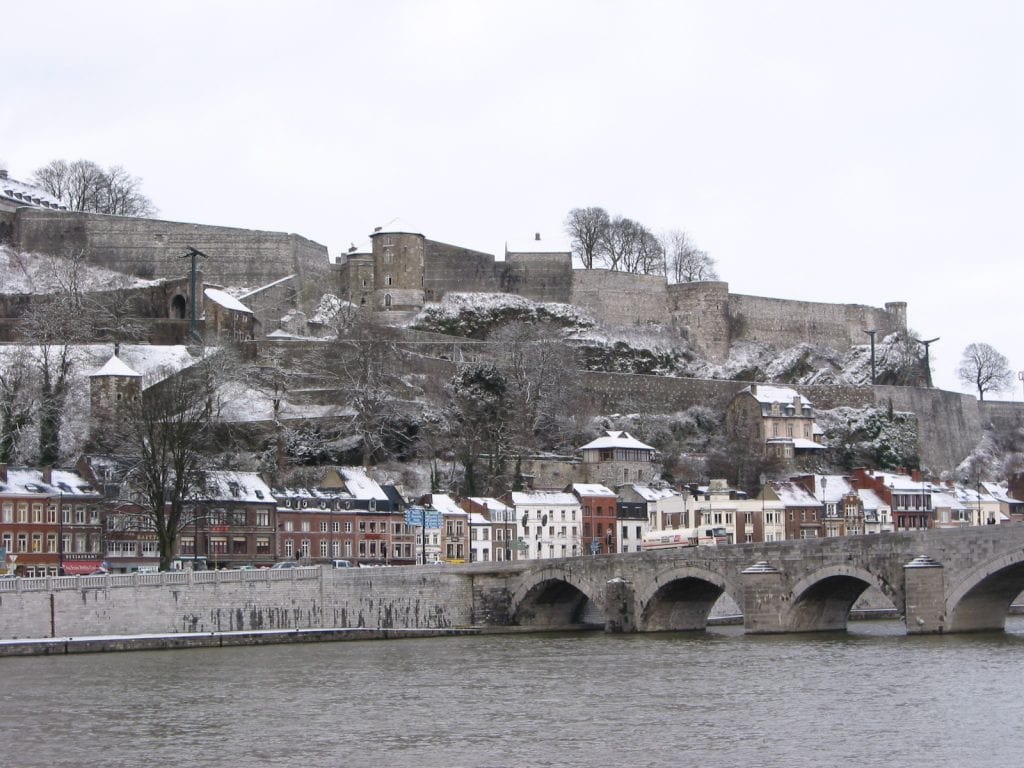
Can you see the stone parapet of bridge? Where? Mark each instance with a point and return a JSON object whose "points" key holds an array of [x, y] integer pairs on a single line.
{"points": [[940, 581]]}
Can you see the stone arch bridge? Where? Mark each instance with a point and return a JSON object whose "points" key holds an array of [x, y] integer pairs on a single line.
{"points": [[940, 581]]}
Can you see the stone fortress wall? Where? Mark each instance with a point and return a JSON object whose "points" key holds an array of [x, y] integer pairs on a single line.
{"points": [[152, 248]]}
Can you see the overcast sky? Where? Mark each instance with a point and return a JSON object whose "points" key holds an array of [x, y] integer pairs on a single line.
{"points": [[858, 152]]}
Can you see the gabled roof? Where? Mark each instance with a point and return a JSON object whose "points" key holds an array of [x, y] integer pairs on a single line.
{"points": [[28, 481], [794, 495], [226, 485], [543, 497], [592, 489], [616, 439], [768, 394], [115, 366], [226, 300]]}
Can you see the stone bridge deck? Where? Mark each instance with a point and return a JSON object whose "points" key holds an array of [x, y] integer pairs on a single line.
{"points": [[940, 581]]}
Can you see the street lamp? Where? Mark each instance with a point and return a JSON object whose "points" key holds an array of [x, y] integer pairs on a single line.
{"points": [[1020, 375], [872, 333], [926, 343]]}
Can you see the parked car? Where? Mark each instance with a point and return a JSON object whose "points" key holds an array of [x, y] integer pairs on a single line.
{"points": [[283, 565], [341, 563]]}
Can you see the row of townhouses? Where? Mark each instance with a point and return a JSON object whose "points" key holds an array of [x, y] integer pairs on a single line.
{"points": [[61, 521]]}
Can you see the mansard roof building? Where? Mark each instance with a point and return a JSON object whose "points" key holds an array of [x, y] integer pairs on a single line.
{"points": [[780, 418]]}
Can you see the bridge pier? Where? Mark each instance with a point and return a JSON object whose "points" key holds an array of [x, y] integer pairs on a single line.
{"points": [[925, 595], [620, 610], [765, 598]]}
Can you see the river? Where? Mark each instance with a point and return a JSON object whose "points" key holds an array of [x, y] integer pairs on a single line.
{"points": [[869, 697]]}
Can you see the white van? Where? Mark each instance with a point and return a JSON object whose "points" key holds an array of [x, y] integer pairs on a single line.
{"points": [[341, 563]]}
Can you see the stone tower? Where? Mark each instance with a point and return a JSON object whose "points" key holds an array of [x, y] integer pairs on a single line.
{"points": [[111, 389], [398, 268]]}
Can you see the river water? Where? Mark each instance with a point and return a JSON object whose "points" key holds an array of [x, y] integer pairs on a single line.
{"points": [[869, 697]]}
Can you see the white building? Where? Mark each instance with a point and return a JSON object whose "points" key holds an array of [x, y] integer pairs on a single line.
{"points": [[549, 524], [502, 523]]}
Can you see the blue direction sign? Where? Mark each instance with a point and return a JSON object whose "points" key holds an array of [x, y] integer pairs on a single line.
{"points": [[433, 518], [414, 516]]}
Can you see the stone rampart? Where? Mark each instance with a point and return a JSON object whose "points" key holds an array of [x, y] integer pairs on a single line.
{"points": [[451, 268], [949, 423], [620, 299], [152, 248], [546, 277], [786, 323]]}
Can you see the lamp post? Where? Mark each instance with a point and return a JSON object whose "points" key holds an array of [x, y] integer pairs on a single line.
{"points": [[926, 343], [1020, 375], [872, 333], [60, 533]]}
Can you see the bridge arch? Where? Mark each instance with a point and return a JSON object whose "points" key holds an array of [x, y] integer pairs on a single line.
{"points": [[555, 597], [981, 599], [680, 599], [821, 601]]}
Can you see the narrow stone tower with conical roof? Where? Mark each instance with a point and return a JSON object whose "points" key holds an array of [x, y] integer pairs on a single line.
{"points": [[111, 389]]}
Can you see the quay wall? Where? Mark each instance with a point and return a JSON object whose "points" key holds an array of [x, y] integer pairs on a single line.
{"points": [[411, 598]]}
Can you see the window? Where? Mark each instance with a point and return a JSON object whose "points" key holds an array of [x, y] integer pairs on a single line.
{"points": [[37, 513], [51, 542], [305, 526], [187, 545], [323, 547], [37, 541], [348, 526], [323, 526], [262, 518], [289, 526], [289, 548], [151, 548], [262, 545]]}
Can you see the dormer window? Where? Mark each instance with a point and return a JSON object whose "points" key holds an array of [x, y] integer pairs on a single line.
{"points": [[234, 489]]}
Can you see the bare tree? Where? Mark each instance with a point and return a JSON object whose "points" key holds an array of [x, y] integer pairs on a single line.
{"points": [[83, 185], [984, 368], [170, 429], [587, 227], [364, 362], [56, 323], [685, 263], [16, 401]]}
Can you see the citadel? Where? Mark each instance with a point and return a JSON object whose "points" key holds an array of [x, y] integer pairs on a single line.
{"points": [[252, 279]]}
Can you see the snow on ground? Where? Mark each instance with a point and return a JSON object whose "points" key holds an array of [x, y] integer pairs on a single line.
{"points": [[34, 273]]}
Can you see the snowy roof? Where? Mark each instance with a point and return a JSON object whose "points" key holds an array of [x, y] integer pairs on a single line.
{"points": [[592, 489], [489, 503], [537, 245], [445, 504], [397, 226], [832, 488], [520, 498], [115, 366], [870, 499], [226, 300], [23, 193], [360, 485], [654, 494], [265, 287], [225, 485], [475, 518], [766, 393], [23, 481], [616, 439], [902, 482], [793, 495], [947, 499]]}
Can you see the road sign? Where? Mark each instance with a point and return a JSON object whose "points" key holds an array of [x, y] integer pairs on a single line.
{"points": [[595, 546], [433, 519], [414, 516]]}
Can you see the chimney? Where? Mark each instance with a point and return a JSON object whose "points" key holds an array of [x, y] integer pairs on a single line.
{"points": [[48, 474], [377, 229], [3, 473], [536, 236], [3, 173], [753, 389]]}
